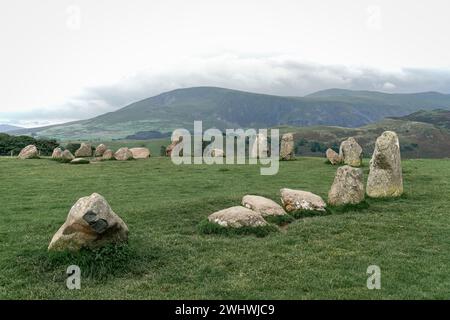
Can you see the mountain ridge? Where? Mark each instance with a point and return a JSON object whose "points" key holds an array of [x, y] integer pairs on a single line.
{"points": [[228, 108], [8, 128]]}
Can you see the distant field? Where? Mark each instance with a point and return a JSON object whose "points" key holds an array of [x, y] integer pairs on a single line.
{"points": [[313, 258]]}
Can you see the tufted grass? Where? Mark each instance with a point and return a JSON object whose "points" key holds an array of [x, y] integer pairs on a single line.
{"points": [[206, 227], [167, 257]]}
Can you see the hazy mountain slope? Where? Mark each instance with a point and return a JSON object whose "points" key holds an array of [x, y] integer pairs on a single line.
{"points": [[438, 117], [7, 128], [225, 108], [424, 100]]}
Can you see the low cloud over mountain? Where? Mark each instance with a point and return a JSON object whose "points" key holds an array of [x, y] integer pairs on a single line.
{"points": [[278, 75]]}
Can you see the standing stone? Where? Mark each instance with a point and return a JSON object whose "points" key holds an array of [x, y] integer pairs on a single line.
{"points": [[294, 200], [348, 187], [351, 152], [333, 157], [140, 153], [85, 150], [259, 149], [237, 217], [108, 155], [57, 154], [266, 207], [67, 156], [91, 223], [385, 175], [287, 147], [29, 152], [172, 145], [123, 154], [100, 150]]}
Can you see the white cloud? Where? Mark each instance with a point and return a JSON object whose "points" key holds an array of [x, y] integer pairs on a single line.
{"points": [[388, 86]]}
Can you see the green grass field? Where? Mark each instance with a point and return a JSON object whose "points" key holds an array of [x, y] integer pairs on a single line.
{"points": [[323, 257]]}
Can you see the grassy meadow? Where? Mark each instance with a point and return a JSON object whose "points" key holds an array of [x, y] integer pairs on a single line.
{"points": [[321, 257]]}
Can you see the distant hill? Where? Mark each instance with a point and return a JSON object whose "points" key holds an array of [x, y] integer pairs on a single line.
{"points": [[7, 128], [438, 117], [417, 139], [148, 135], [225, 108]]}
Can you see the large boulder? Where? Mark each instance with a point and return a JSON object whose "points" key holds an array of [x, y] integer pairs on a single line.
{"points": [[385, 175], [287, 147], [123, 154], [80, 161], [294, 200], [91, 223], [57, 153], [67, 156], [108, 155], [29, 152], [265, 207], [100, 150], [333, 157], [170, 147], [348, 187], [85, 150], [237, 217], [140, 153], [351, 152]]}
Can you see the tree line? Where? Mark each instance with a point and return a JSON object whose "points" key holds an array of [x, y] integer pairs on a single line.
{"points": [[14, 144]]}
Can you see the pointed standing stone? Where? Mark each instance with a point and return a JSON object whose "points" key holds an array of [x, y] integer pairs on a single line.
{"points": [[333, 156], [385, 175], [260, 148], [100, 150], [171, 146], [287, 147]]}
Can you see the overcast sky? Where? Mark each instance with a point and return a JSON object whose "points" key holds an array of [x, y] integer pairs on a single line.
{"points": [[65, 60]]}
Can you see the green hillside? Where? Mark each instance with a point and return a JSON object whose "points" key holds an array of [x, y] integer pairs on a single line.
{"points": [[8, 127], [438, 117], [417, 139], [224, 108]]}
